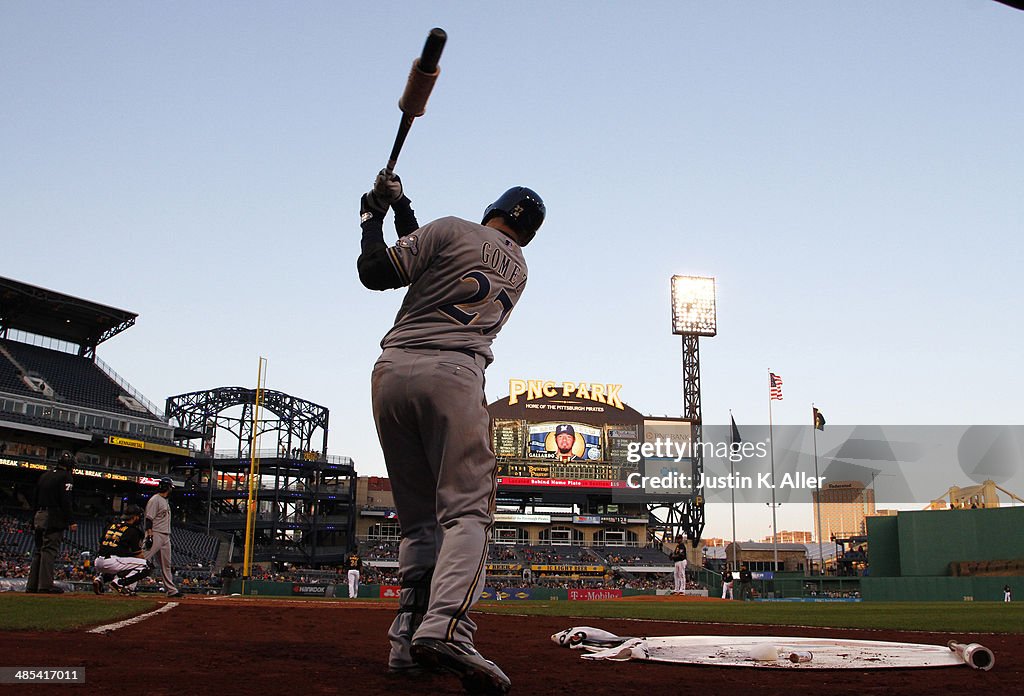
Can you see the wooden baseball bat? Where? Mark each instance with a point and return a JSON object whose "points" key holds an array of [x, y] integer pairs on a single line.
{"points": [[422, 77]]}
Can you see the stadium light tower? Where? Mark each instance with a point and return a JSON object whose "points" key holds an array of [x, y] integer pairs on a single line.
{"points": [[693, 315]]}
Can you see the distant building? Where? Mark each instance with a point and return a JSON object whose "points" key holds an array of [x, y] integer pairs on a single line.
{"points": [[714, 542], [759, 556], [844, 507], [785, 537]]}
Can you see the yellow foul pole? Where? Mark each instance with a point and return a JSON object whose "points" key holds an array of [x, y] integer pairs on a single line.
{"points": [[254, 473]]}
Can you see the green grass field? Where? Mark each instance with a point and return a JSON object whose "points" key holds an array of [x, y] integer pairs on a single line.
{"points": [[956, 617], [19, 612], [69, 612]]}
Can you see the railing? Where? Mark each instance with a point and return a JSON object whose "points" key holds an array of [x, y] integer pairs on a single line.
{"points": [[132, 391], [72, 349], [276, 454]]}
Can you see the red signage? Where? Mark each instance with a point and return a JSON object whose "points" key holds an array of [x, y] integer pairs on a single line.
{"points": [[560, 483], [584, 595]]}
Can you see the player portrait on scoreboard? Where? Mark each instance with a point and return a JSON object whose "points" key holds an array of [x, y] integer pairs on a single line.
{"points": [[565, 442]]}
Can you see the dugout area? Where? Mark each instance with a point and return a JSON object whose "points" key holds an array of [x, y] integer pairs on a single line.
{"points": [[946, 555]]}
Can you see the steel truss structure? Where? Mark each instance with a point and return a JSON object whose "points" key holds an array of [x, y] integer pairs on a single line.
{"points": [[686, 517], [305, 507]]}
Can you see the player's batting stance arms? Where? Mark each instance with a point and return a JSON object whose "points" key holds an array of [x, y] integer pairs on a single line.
{"points": [[464, 279]]}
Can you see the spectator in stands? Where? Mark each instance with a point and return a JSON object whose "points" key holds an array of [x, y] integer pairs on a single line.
{"points": [[53, 516]]}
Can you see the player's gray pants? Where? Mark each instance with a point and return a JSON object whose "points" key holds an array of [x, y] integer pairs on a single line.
{"points": [[161, 551], [432, 421]]}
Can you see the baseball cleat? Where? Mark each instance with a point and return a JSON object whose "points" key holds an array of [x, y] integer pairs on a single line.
{"points": [[97, 585], [478, 675]]}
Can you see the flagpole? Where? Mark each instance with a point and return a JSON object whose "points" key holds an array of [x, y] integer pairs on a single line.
{"points": [[771, 447], [817, 485], [732, 487]]}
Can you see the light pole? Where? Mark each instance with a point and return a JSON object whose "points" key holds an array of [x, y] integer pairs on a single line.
{"points": [[693, 315]]}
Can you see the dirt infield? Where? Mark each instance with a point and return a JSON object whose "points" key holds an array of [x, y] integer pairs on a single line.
{"points": [[234, 646]]}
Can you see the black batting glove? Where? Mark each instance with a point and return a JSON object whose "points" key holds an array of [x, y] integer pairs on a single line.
{"points": [[371, 207], [387, 187]]}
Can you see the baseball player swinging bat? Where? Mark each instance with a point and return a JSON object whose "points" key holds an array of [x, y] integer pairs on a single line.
{"points": [[421, 81]]}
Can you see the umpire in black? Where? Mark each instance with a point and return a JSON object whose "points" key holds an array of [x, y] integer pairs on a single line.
{"points": [[53, 516]]}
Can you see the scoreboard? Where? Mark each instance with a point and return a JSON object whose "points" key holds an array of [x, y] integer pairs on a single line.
{"points": [[549, 434], [599, 457]]}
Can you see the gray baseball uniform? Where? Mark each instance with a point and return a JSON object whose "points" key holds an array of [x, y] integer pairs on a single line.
{"points": [[430, 410], [158, 513]]}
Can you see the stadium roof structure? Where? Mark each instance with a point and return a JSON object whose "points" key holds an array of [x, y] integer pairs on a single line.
{"points": [[48, 313], [768, 546]]}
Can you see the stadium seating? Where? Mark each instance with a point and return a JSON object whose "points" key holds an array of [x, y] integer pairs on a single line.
{"points": [[75, 380], [632, 556], [188, 548], [193, 547]]}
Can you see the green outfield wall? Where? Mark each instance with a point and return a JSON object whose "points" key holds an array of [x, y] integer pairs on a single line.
{"points": [[924, 543], [939, 589], [912, 553]]}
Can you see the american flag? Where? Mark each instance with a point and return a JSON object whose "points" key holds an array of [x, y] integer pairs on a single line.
{"points": [[774, 387]]}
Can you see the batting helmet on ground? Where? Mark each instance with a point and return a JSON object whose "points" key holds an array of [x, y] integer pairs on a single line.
{"points": [[522, 209]]}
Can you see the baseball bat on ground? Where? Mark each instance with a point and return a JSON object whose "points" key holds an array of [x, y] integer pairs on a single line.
{"points": [[421, 81], [976, 656]]}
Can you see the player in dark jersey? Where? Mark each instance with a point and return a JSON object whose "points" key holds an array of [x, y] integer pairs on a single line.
{"points": [[120, 554], [463, 278], [354, 564], [52, 517]]}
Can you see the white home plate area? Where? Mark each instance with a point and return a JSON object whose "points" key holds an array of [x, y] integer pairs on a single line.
{"points": [[772, 652]]}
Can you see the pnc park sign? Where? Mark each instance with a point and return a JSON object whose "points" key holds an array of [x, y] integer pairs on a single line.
{"points": [[533, 389]]}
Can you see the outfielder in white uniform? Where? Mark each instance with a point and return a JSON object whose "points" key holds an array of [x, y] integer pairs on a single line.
{"points": [[120, 554], [158, 529], [464, 279]]}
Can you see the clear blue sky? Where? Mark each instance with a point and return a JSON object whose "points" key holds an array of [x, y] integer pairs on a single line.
{"points": [[849, 172]]}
